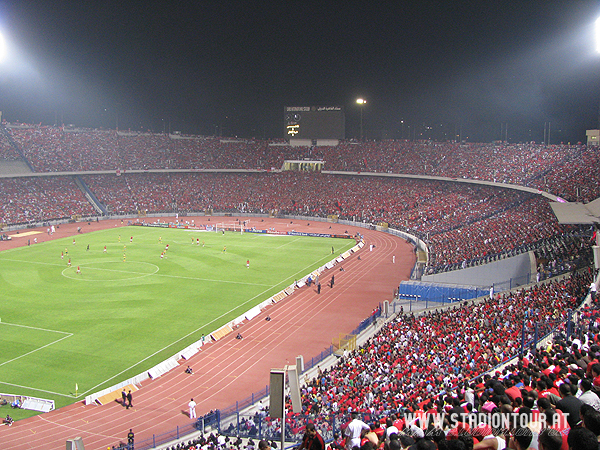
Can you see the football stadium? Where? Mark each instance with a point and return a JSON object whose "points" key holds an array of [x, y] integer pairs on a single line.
{"points": [[333, 286], [108, 287]]}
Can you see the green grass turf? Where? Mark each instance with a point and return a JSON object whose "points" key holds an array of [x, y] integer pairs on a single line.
{"points": [[119, 318]]}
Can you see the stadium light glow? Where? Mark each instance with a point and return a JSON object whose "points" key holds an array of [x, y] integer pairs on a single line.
{"points": [[3, 49], [597, 33]]}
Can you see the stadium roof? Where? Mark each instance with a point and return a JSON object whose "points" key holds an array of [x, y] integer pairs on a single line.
{"points": [[577, 213]]}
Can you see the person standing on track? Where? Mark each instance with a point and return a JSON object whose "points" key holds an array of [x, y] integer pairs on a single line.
{"points": [[130, 438], [192, 406], [129, 400]]}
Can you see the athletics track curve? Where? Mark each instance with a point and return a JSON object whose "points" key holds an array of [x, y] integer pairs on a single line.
{"points": [[229, 370]]}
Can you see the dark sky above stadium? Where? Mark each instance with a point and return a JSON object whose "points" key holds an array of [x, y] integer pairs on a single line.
{"points": [[431, 67]]}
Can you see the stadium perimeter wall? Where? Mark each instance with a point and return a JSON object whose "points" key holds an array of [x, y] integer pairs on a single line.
{"points": [[519, 270]]}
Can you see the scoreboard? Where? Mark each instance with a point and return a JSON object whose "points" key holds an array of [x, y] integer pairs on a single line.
{"points": [[314, 122]]}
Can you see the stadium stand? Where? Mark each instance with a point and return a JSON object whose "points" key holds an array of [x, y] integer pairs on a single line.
{"points": [[52, 149], [28, 200]]}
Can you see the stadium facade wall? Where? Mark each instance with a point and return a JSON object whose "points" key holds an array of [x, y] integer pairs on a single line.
{"points": [[504, 274]]}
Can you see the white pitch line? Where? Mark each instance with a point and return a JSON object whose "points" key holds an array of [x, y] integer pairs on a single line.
{"points": [[31, 262], [173, 276], [87, 268], [36, 389], [210, 280], [287, 243], [34, 328], [36, 350]]}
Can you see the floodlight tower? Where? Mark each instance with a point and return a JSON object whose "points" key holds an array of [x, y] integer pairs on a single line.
{"points": [[361, 102]]}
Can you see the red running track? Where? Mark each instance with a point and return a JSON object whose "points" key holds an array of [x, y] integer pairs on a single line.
{"points": [[305, 323]]}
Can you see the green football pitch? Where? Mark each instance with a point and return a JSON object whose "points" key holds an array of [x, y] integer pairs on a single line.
{"points": [[129, 309]]}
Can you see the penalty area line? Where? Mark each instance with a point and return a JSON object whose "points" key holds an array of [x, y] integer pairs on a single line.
{"points": [[36, 350], [34, 328], [36, 389]]}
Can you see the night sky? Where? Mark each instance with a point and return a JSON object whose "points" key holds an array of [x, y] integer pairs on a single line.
{"points": [[428, 68]]}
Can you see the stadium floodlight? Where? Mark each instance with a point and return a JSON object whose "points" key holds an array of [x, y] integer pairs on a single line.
{"points": [[361, 102]]}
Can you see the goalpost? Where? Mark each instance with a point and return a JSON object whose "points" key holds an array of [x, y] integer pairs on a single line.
{"points": [[232, 226]]}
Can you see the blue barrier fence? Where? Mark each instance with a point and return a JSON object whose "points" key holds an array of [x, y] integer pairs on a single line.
{"points": [[438, 293], [248, 401], [163, 438]]}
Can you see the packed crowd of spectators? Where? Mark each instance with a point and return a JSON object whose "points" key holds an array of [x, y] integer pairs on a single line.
{"points": [[7, 150], [574, 178], [565, 170], [31, 200], [504, 233], [55, 149], [499, 162]]}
